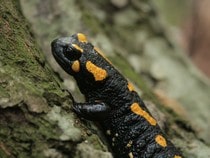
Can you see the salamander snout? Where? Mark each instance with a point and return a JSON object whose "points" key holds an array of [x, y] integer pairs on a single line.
{"points": [[66, 52]]}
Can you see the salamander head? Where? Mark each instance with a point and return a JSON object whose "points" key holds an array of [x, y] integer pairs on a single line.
{"points": [[80, 59], [67, 51]]}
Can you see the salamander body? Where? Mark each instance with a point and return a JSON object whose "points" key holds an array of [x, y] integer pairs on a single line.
{"points": [[111, 100]]}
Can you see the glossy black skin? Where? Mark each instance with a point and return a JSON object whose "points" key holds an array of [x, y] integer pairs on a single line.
{"points": [[109, 101]]}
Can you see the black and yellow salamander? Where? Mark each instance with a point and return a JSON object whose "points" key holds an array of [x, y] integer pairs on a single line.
{"points": [[112, 101]]}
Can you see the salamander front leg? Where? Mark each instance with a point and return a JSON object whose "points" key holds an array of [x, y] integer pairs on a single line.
{"points": [[94, 111]]}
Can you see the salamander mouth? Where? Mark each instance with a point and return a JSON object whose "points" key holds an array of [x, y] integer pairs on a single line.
{"points": [[57, 51], [58, 58]]}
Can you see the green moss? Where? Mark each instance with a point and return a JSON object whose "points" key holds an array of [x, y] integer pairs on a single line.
{"points": [[19, 55], [27, 135], [3, 154], [24, 78]]}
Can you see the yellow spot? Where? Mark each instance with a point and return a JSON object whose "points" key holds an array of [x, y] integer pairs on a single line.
{"points": [[130, 86], [177, 156], [129, 144], [116, 134], [161, 140], [75, 66], [130, 155], [102, 54], [81, 37], [98, 73], [139, 111], [77, 47]]}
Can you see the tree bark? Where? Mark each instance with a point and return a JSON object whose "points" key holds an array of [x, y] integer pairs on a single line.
{"points": [[35, 115], [35, 111]]}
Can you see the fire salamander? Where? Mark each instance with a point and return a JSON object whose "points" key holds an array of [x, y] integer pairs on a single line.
{"points": [[112, 101]]}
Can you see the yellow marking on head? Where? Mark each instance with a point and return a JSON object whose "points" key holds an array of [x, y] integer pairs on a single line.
{"points": [[130, 86], [130, 154], [139, 111], [161, 140], [176, 156], [81, 37], [75, 66], [77, 47], [98, 73], [102, 54]]}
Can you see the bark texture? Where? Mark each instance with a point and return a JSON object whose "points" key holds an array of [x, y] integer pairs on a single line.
{"points": [[35, 116]]}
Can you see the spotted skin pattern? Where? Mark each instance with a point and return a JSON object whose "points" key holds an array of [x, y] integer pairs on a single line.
{"points": [[111, 100]]}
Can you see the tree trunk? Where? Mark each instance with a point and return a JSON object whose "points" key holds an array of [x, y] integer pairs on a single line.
{"points": [[36, 119], [35, 112]]}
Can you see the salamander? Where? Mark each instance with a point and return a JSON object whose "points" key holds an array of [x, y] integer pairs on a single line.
{"points": [[112, 101]]}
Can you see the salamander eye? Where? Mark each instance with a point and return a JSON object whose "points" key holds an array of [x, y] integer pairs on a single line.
{"points": [[71, 53]]}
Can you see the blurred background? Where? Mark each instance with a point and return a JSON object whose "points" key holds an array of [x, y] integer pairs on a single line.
{"points": [[189, 21]]}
